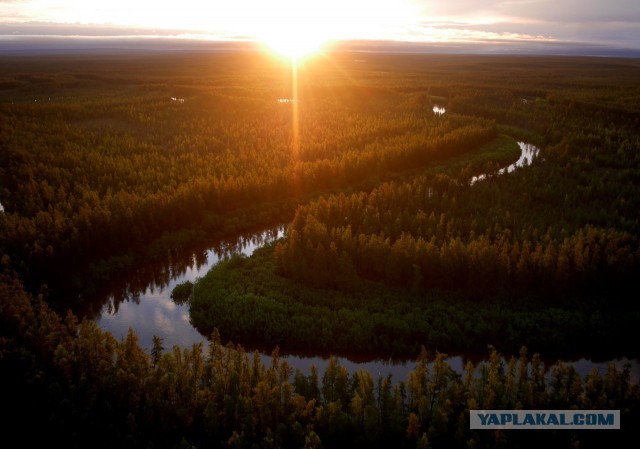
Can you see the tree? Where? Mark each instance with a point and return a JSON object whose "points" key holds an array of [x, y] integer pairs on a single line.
{"points": [[156, 351]]}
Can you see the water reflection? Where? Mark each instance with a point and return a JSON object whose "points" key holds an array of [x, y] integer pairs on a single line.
{"points": [[438, 110], [399, 370], [143, 301], [527, 153]]}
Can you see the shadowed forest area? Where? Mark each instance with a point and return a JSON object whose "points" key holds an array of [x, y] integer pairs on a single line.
{"points": [[113, 161]]}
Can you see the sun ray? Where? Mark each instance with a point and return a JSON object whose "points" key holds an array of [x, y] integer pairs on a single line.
{"points": [[295, 111]]}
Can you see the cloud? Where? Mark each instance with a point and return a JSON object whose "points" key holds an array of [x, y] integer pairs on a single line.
{"points": [[84, 30], [581, 11], [586, 21], [577, 11], [459, 32], [611, 22]]}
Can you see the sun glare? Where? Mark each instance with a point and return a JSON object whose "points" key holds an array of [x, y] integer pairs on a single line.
{"points": [[296, 28], [293, 29], [293, 48]]}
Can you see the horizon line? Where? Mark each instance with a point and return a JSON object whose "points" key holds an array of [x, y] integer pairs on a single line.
{"points": [[38, 44]]}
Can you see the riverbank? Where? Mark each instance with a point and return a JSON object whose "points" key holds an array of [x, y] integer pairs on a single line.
{"points": [[247, 302], [143, 289], [160, 398]]}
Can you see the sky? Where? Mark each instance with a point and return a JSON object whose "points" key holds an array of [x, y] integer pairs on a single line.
{"points": [[492, 23]]}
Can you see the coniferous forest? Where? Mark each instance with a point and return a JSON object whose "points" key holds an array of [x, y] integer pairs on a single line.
{"points": [[406, 238]]}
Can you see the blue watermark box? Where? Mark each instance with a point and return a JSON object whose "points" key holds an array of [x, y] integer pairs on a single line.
{"points": [[544, 419]]}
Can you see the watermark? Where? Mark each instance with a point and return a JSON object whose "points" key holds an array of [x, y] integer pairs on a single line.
{"points": [[544, 419]]}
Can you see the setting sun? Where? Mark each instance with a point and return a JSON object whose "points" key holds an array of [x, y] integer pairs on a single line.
{"points": [[293, 48], [295, 29], [292, 42]]}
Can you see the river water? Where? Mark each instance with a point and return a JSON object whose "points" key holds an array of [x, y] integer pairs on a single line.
{"points": [[143, 302], [149, 309], [527, 153]]}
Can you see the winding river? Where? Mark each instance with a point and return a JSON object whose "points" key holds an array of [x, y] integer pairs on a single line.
{"points": [[143, 302]]}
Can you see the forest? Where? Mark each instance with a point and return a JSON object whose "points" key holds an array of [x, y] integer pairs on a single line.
{"points": [[547, 255], [80, 386], [101, 159], [393, 248]]}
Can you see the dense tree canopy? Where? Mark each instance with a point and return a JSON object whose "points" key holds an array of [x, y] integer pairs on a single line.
{"points": [[546, 255], [107, 161], [79, 386], [95, 163]]}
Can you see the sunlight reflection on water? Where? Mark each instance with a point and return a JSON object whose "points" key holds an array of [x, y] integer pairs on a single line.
{"points": [[528, 153], [439, 110]]}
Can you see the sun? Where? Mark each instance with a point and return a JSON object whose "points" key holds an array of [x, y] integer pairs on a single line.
{"points": [[294, 47], [294, 29]]}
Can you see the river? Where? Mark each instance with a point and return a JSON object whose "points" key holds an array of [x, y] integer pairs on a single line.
{"points": [[143, 302], [528, 152]]}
